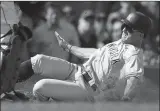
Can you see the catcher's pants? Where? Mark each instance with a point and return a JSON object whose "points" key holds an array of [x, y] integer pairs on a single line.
{"points": [[62, 85]]}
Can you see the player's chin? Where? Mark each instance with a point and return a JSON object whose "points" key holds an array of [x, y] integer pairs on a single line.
{"points": [[126, 39]]}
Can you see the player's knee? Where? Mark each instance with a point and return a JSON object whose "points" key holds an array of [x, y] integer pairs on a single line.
{"points": [[38, 87], [37, 63], [39, 57], [38, 90]]}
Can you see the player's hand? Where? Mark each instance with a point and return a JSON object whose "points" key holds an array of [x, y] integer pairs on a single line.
{"points": [[62, 43]]}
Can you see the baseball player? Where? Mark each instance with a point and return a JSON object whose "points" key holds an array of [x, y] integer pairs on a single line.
{"points": [[70, 81]]}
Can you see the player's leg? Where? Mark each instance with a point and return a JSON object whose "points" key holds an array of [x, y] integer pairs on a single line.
{"points": [[59, 90], [52, 67], [47, 66]]}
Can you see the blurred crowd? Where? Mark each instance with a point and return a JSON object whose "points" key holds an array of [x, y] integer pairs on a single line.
{"points": [[90, 28]]}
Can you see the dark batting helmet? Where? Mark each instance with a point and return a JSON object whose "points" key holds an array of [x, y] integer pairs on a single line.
{"points": [[138, 21]]}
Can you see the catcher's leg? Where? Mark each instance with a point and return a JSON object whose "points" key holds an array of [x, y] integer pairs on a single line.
{"points": [[59, 90]]}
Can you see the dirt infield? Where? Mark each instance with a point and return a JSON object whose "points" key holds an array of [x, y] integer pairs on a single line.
{"points": [[148, 92], [78, 107], [146, 100]]}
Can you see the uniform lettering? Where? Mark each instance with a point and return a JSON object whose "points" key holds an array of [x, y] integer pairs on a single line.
{"points": [[114, 61], [114, 53]]}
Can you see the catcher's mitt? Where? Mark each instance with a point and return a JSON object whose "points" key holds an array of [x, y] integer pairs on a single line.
{"points": [[11, 59]]}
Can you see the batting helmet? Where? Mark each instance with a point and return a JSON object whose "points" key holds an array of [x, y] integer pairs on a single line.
{"points": [[138, 21]]}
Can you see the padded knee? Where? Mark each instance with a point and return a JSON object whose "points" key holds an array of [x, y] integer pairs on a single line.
{"points": [[25, 71]]}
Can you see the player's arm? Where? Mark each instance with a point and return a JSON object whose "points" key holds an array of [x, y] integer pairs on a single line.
{"points": [[133, 73], [84, 53], [131, 84]]}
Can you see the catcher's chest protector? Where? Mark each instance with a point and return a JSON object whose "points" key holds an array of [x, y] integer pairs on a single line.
{"points": [[11, 63]]}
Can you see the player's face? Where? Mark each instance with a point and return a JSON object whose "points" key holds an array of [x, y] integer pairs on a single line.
{"points": [[126, 33], [129, 35]]}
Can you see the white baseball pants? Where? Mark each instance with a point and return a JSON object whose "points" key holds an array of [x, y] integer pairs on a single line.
{"points": [[62, 84]]}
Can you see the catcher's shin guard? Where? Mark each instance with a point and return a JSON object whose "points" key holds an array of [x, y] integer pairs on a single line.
{"points": [[10, 66], [25, 71], [11, 62]]}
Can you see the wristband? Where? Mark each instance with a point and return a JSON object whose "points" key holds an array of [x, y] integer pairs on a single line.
{"points": [[69, 49], [65, 46]]}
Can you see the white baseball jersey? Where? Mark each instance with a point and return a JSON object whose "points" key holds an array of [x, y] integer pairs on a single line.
{"points": [[116, 59]]}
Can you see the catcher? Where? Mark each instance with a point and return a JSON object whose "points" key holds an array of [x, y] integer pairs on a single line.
{"points": [[14, 35], [73, 82]]}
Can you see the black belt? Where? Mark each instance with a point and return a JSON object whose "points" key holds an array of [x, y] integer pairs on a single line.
{"points": [[87, 78]]}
